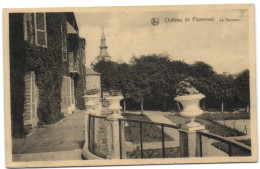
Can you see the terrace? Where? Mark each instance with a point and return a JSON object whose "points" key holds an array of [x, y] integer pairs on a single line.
{"points": [[112, 135]]}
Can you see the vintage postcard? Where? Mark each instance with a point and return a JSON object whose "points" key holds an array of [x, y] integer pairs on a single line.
{"points": [[130, 85]]}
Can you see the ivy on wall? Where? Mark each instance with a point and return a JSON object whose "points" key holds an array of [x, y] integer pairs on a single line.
{"points": [[17, 72], [49, 69], [48, 66], [45, 62], [80, 89]]}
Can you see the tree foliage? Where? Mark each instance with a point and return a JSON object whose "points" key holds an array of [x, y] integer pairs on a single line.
{"points": [[151, 81]]}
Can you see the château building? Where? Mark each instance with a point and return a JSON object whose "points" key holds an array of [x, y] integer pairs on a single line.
{"points": [[46, 68]]}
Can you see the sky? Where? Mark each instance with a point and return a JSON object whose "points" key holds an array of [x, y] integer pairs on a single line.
{"points": [[223, 45]]}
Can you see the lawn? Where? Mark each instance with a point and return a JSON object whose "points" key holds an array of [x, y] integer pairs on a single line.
{"points": [[213, 127], [223, 116], [151, 132]]}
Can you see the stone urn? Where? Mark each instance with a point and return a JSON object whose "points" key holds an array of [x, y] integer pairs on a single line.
{"points": [[115, 106], [91, 102], [191, 108]]}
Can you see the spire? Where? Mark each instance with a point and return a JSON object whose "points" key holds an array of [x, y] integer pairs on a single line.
{"points": [[103, 34], [103, 39], [103, 54]]}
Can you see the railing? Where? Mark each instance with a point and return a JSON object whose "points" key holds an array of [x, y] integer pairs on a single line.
{"points": [[97, 135], [212, 145], [137, 139], [146, 139]]}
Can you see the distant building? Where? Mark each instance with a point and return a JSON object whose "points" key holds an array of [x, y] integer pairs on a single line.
{"points": [[225, 73], [120, 60], [92, 79], [234, 76]]}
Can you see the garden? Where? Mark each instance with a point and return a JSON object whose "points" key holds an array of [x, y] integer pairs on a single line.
{"points": [[153, 82], [151, 132], [212, 126]]}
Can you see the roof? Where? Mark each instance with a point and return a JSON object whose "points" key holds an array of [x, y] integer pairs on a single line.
{"points": [[72, 20], [70, 29], [91, 72]]}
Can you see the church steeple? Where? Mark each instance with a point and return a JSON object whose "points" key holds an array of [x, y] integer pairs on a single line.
{"points": [[103, 54], [103, 35]]}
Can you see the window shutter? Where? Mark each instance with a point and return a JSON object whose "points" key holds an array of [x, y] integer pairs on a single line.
{"points": [[68, 91], [31, 95], [64, 39], [72, 91], [40, 26], [71, 60], [28, 30], [64, 44], [64, 93]]}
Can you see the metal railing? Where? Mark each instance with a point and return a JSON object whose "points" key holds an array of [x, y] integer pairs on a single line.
{"points": [[97, 135], [212, 145], [146, 139]]}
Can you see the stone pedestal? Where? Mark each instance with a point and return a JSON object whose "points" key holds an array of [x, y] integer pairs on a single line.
{"points": [[91, 109], [189, 141], [113, 138], [189, 144], [86, 153], [86, 128], [195, 128]]}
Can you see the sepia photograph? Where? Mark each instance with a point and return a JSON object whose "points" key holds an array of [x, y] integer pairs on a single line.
{"points": [[98, 86]]}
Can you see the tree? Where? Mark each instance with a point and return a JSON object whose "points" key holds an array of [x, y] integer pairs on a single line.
{"points": [[149, 74], [202, 69], [224, 90], [141, 89], [125, 81], [108, 71], [243, 88], [151, 81]]}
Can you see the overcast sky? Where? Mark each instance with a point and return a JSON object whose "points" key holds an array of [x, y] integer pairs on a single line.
{"points": [[224, 45]]}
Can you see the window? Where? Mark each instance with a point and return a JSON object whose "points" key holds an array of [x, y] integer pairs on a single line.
{"points": [[64, 44], [40, 29]]}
